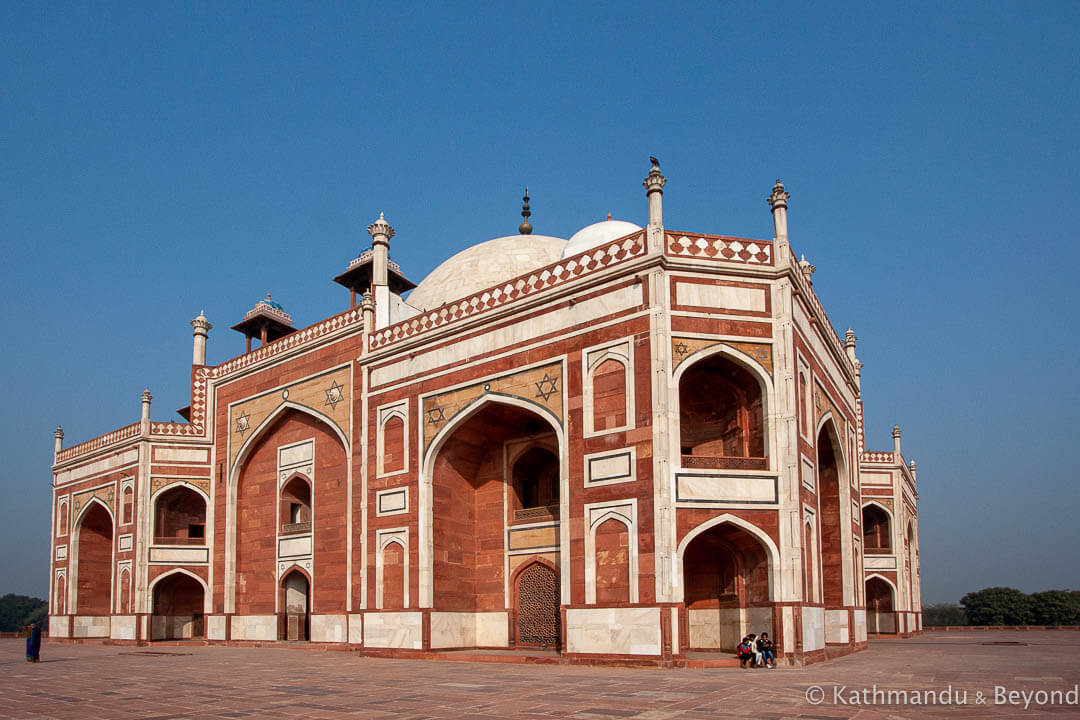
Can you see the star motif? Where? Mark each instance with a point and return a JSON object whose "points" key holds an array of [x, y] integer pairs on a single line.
{"points": [[334, 395], [243, 423], [547, 387], [681, 349], [435, 415]]}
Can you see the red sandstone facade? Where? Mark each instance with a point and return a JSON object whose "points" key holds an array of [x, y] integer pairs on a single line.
{"points": [[649, 446]]}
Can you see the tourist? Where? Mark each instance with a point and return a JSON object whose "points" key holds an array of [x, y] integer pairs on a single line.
{"points": [[767, 650], [33, 642], [758, 662], [745, 651]]}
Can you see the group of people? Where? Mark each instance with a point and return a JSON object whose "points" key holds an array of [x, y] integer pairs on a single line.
{"points": [[757, 651]]}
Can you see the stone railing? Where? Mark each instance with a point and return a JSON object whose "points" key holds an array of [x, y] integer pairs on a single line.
{"points": [[348, 319], [543, 512], [296, 527], [537, 281], [110, 438], [179, 541], [881, 457], [807, 290], [724, 463], [718, 247]]}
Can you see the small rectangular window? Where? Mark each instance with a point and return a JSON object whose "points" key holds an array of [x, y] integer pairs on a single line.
{"points": [[196, 531]]}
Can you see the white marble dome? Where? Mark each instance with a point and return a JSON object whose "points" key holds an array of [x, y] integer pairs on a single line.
{"points": [[485, 265], [597, 234]]}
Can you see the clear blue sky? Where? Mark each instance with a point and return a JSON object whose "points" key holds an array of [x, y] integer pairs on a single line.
{"points": [[157, 159]]}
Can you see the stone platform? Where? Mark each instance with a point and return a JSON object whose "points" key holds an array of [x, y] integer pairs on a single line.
{"points": [[182, 682]]}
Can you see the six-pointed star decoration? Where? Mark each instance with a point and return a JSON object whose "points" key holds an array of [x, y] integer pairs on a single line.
{"points": [[243, 423], [680, 349], [435, 415], [547, 386], [334, 394]]}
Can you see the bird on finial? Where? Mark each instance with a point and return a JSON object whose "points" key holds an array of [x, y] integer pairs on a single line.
{"points": [[525, 227], [654, 161]]}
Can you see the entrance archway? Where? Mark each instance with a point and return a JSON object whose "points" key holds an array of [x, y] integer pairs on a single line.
{"points": [[880, 618], [830, 481], [498, 466], [725, 588], [178, 608], [95, 547], [295, 606]]}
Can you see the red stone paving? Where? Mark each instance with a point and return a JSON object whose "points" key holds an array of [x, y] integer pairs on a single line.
{"points": [[105, 681]]}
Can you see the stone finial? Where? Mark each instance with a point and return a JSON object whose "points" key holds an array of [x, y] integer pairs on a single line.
{"points": [[58, 442], [380, 229], [655, 180], [200, 323], [850, 338], [808, 269], [367, 302], [912, 466], [59, 432], [895, 431], [779, 196], [525, 227], [146, 396]]}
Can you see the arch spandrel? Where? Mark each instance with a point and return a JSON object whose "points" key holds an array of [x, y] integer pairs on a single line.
{"points": [[328, 396], [683, 347], [541, 386], [164, 483], [106, 495]]}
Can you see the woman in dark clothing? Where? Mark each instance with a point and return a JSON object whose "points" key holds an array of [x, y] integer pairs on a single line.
{"points": [[33, 643]]}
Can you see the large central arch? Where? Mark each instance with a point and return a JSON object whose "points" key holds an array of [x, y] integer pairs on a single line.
{"points": [[466, 459]]}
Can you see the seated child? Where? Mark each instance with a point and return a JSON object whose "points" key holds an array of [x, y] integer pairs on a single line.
{"points": [[745, 652]]}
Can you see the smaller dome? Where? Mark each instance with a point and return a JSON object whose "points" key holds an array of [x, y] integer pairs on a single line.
{"points": [[597, 234]]}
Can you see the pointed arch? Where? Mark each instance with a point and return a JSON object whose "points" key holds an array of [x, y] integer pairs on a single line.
{"points": [[75, 555], [268, 422], [890, 583], [233, 479], [207, 599], [772, 554], [425, 538], [741, 360]]}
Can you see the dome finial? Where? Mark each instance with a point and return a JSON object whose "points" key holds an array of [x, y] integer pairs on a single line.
{"points": [[525, 227]]}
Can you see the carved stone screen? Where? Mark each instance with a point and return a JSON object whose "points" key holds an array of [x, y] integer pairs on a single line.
{"points": [[538, 621]]}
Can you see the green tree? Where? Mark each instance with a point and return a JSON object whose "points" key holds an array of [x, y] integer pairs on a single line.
{"points": [[999, 606], [943, 614], [1056, 607], [16, 611]]}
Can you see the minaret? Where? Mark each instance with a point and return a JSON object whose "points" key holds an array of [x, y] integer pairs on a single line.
{"points": [[778, 202], [200, 328], [58, 442], [654, 188], [146, 397], [381, 232], [525, 227]]}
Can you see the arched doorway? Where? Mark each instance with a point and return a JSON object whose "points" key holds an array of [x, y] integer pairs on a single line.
{"points": [[725, 588], [178, 608], [830, 474], [721, 416], [295, 606], [296, 506], [536, 603], [877, 534], [498, 467], [95, 542], [180, 517], [880, 618]]}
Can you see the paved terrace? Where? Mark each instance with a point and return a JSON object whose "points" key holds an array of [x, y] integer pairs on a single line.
{"points": [[104, 681]]}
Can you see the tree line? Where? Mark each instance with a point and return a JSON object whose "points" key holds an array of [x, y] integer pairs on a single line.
{"points": [[18, 611], [1007, 606]]}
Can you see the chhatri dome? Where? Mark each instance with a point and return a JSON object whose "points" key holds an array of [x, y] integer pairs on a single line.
{"points": [[597, 234], [495, 261]]}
